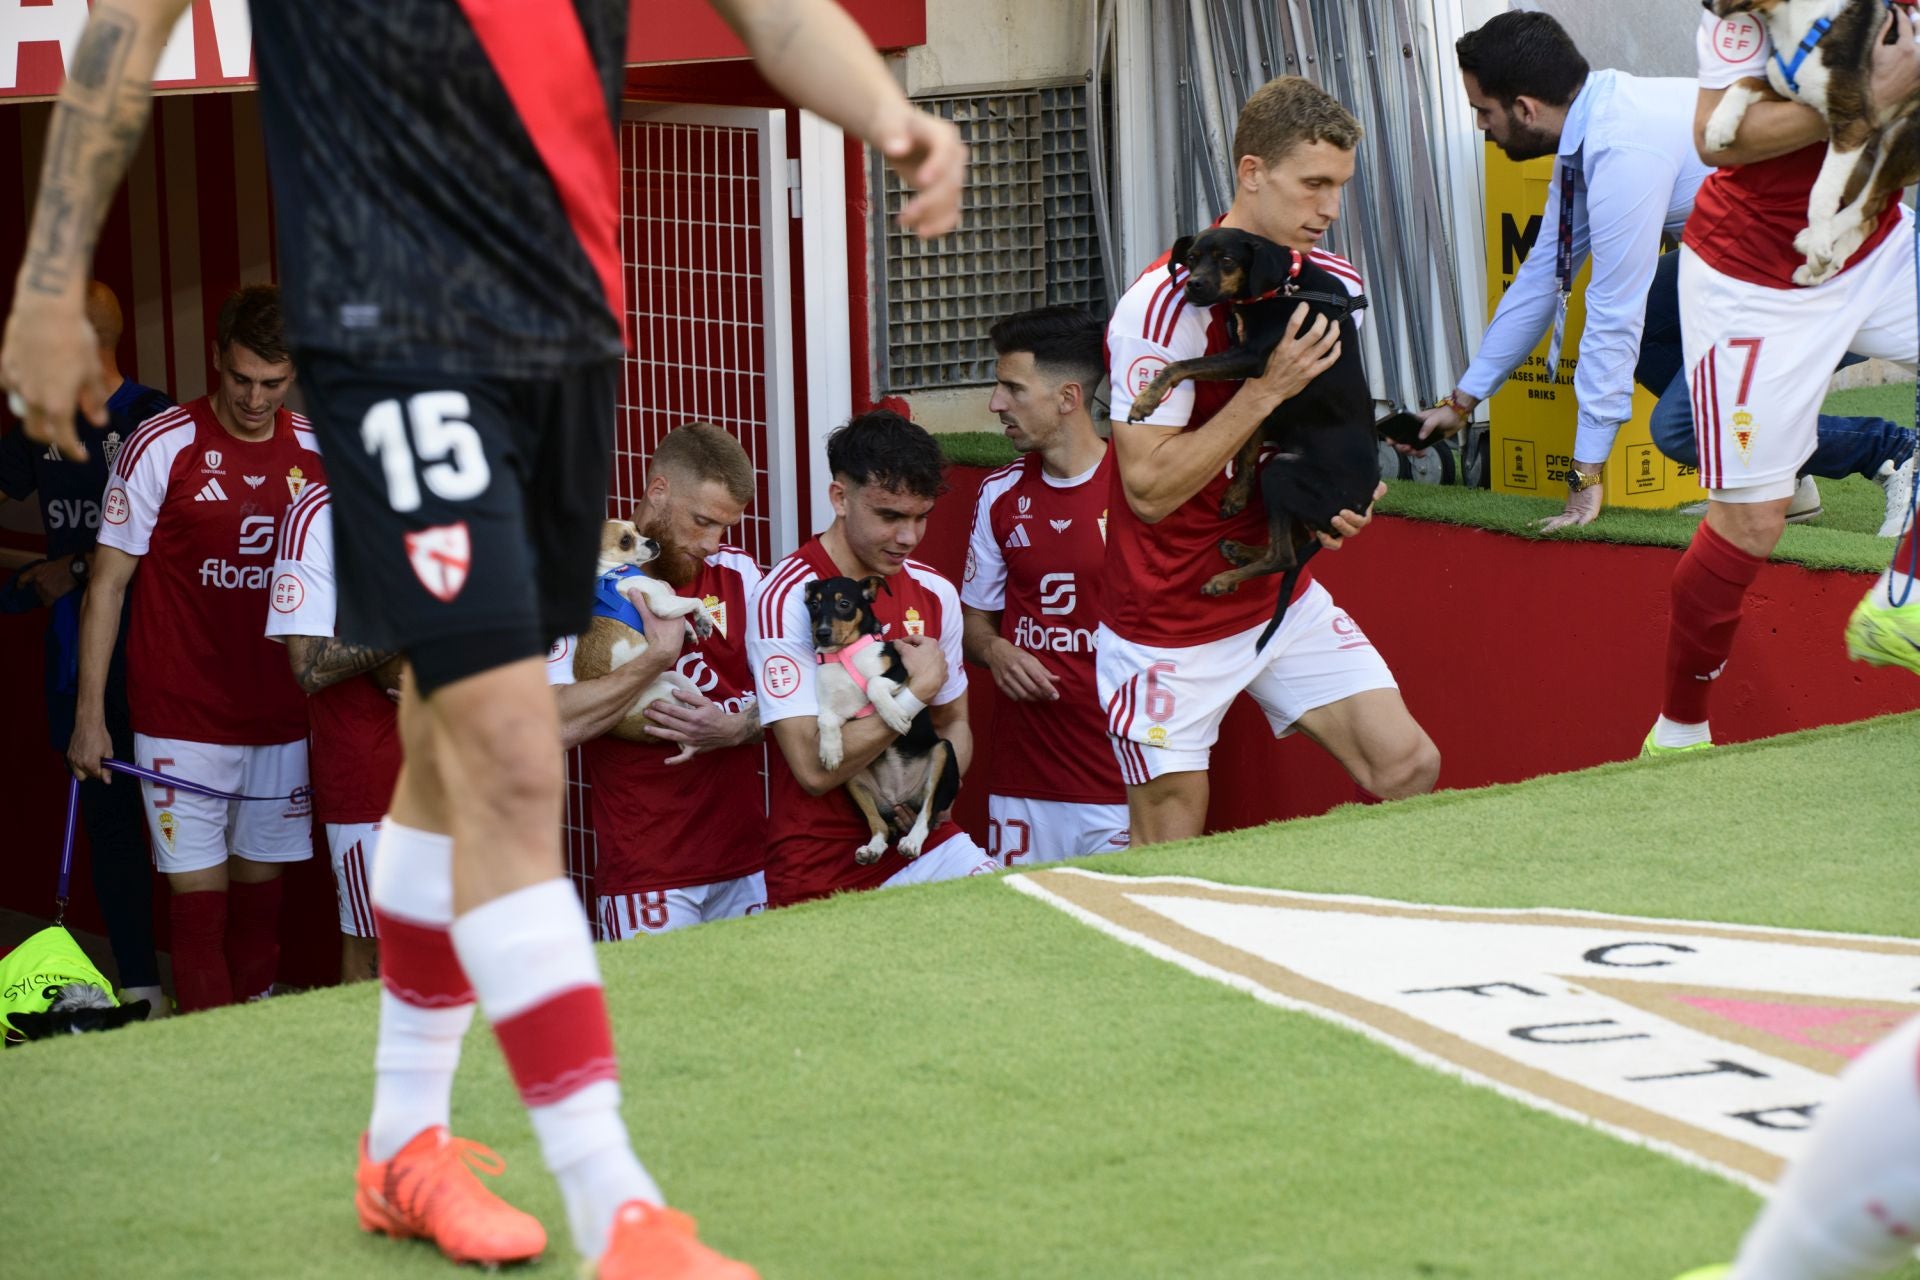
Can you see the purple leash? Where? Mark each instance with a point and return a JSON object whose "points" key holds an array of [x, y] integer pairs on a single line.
{"points": [[121, 766], [66, 853]]}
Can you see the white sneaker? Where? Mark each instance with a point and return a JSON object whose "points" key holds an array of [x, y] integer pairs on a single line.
{"points": [[1898, 482], [1806, 502]]}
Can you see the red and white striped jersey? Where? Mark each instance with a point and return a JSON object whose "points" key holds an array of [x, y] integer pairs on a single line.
{"points": [[812, 838], [1037, 556], [662, 826], [354, 745], [1155, 572], [201, 508]]}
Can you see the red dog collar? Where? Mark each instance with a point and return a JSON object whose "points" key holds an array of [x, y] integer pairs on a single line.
{"points": [[1298, 261]]}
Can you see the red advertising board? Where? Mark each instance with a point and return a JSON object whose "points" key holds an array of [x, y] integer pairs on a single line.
{"points": [[212, 47]]}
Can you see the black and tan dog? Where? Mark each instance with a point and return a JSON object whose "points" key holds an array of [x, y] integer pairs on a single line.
{"points": [[1823, 56], [1326, 456], [859, 675]]}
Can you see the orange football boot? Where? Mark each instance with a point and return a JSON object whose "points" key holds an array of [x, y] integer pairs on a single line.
{"points": [[651, 1243], [430, 1191]]}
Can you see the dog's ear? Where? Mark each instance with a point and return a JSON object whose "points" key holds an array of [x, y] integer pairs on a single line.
{"points": [[873, 586], [1271, 268], [130, 1011], [34, 1026], [1178, 258], [813, 591]]}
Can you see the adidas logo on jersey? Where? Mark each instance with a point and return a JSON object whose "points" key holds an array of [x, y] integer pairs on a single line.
{"points": [[1018, 538], [211, 492]]}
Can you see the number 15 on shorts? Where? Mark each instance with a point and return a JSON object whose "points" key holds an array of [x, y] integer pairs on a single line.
{"points": [[430, 440]]}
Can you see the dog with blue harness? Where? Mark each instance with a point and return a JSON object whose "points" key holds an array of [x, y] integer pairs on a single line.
{"points": [[617, 634]]}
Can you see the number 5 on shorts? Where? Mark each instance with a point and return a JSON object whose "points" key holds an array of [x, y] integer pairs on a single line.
{"points": [[442, 438]]}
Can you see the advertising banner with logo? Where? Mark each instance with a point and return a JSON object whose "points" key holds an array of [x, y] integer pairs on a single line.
{"points": [[1533, 416]]}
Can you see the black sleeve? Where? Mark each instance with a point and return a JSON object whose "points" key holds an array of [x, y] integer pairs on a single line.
{"points": [[16, 465]]}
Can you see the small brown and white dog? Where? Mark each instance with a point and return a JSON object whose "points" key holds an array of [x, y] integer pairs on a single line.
{"points": [[1829, 68], [614, 637]]}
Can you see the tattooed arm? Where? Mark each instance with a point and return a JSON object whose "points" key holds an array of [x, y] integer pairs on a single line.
{"points": [[319, 661], [50, 359]]}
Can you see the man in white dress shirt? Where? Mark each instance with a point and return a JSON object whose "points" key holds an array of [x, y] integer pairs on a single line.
{"points": [[1625, 145]]}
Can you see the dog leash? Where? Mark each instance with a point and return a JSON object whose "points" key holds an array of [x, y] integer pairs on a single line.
{"points": [[1913, 490], [192, 788], [66, 854]]}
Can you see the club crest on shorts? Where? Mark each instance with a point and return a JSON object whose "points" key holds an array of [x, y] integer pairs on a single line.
{"points": [[441, 556], [1716, 1044], [166, 824], [1743, 434]]}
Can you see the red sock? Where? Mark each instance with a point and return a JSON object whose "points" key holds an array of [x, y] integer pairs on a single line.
{"points": [[253, 936], [1363, 796], [418, 964], [1708, 588], [200, 978]]}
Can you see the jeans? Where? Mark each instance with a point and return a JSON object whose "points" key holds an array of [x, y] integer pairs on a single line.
{"points": [[1842, 446]]}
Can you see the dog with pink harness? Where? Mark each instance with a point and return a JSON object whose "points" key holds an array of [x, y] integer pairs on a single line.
{"points": [[861, 675]]}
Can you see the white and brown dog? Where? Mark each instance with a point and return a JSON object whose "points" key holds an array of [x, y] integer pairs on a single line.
{"points": [[615, 636], [1823, 57]]}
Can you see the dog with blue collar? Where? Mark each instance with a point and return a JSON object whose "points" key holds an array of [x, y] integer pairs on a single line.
{"points": [[1823, 57]]}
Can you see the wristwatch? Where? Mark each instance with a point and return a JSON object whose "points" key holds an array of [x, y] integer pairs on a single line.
{"points": [[78, 568], [1579, 481]]}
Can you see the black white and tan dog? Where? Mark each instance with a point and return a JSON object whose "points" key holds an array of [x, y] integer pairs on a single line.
{"points": [[615, 636], [1823, 57], [859, 675], [1325, 452]]}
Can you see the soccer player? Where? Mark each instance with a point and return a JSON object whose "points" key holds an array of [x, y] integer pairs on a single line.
{"points": [[193, 500], [1171, 659], [1625, 144], [353, 742], [682, 843], [1849, 1207], [447, 180], [886, 473], [1759, 349], [69, 494], [1032, 594]]}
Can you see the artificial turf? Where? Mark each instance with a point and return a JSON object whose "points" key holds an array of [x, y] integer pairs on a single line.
{"points": [[1842, 538], [959, 1081]]}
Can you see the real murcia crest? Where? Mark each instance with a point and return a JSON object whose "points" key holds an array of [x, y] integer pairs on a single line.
{"points": [[296, 481], [914, 624], [1103, 528], [717, 610], [1714, 1043], [1743, 434]]}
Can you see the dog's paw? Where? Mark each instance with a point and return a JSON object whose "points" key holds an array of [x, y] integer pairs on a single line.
{"points": [[1815, 271], [831, 752], [1221, 584], [912, 842], [1722, 127], [1233, 503], [1237, 554], [890, 713], [701, 621], [1149, 398], [869, 853]]}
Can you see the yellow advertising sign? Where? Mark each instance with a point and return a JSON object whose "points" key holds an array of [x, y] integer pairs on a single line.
{"points": [[1533, 416]]}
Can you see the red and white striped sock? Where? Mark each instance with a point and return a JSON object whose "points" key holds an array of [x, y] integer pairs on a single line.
{"points": [[531, 960], [426, 1002]]}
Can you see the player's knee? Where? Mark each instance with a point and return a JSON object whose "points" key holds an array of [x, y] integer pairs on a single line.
{"points": [[1413, 770], [505, 765]]}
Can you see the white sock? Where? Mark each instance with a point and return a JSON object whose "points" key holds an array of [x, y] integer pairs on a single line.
{"points": [[530, 957], [1671, 733], [418, 1049], [1849, 1208], [584, 1142], [1896, 588]]}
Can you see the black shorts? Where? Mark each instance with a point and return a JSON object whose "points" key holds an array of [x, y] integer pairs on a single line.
{"points": [[467, 511]]}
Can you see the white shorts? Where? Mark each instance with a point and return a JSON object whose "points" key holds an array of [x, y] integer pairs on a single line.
{"points": [[1022, 832], [638, 915], [1759, 360], [951, 859], [193, 832], [351, 845], [1164, 706]]}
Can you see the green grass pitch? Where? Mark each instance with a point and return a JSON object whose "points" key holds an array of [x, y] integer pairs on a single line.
{"points": [[957, 1081]]}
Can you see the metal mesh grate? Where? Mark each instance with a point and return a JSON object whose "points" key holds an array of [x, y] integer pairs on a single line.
{"points": [[690, 232], [1028, 238]]}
